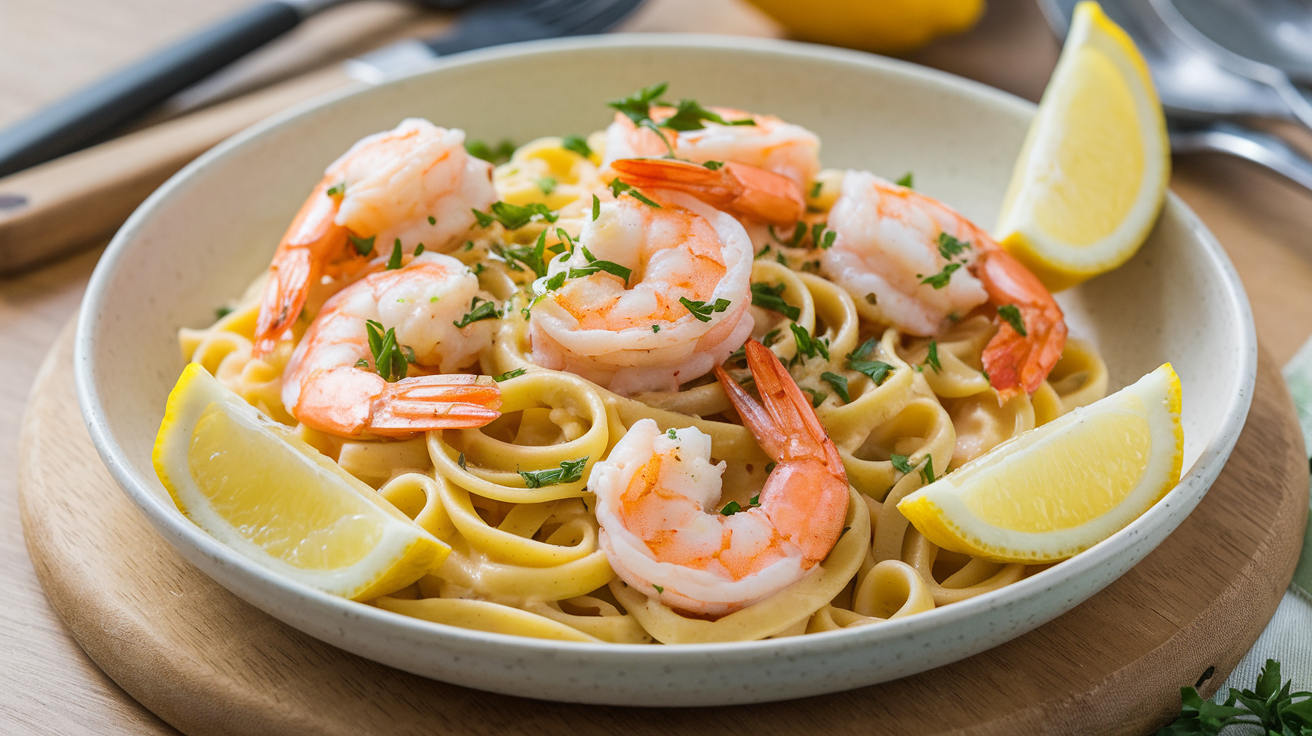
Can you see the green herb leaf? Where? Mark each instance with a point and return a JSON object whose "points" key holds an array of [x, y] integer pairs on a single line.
{"points": [[839, 383], [902, 464], [769, 297], [907, 180], [419, 250], [363, 246], [815, 188], [769, 467], [771, 337], [808, 345], [576, 143], [510, 374], [927, 472], [221, 312], [701, 310], [618, 187], [940, 279], [568, 472], [479, 309], [931, 358], [1011, 314], [690, 115], [336, 189], [1272, 705], [827, 241], [532, 256], [730, 509], [460, 460], [671, 434], [432, 220], [949, 247], [555, 282], [547, 184], [655, 328], [498, 155], [595, 265], [391, 360], [394, 262], [513, 217], [659, 589], [596, 208], [817, 397], [713, 165], [637, 106]]}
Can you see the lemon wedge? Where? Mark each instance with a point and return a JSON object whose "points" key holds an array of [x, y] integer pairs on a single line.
{"points": [[256, 487], [1092, 174], [1057, 490]]}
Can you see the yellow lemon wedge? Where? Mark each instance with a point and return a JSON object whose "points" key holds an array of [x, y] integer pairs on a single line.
{"points": [[1092, 174], [252, 484], [1055, 491]]}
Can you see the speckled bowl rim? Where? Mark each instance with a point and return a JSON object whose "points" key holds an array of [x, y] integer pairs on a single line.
{"points": [[182, 532]]}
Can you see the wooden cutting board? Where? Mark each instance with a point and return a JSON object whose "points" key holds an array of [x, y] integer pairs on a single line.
{"points": [[208, 663]]}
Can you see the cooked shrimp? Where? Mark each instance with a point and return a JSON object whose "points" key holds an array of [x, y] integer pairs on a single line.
{"points": [[656, 497], [414, 184], [768, 143], [332, 385], [911, 261], [739, 189], [636, 334]]}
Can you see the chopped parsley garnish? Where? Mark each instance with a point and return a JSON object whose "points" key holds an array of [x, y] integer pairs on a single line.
{"points": [[927, 472], [839, 384], [637, 106], [460, 460], [618, 187], [769, 297], [808, 345], [419, 250], [713, 165], [871, 299], [670, 433], [815, 188], [701, 310], [690, 115], [1010, 313], [547, 184], [940, 279], [655, 328], [534, 257], [769, 467], [512, 216], [770, 338], [221, 312], [510, 374], [931, 358], [595, 265], [479, 309], [336, 189], [901, 463], [576, 143], [799, 232], [907, 180], [568, 472], [596, 208], [875, 370], [555, 282], [391, 360], [817, 397], [762, 252], [363, 246], [432, 220], [394, 262], [659, 588], [730, 509], [566, 242], [949, 247], [498, 155]]}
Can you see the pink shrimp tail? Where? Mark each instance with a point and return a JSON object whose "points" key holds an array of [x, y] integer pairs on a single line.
{"points": [[807, 493], [312, 241], [349, 402], [739, 189], [1019, 363]]}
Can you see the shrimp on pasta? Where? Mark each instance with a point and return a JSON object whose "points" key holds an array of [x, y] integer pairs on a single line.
{"points": [[656, 497], [913, 262], [332, 381], [411, 185]]}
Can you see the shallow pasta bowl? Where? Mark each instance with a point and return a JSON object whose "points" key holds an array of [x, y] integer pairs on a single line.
{"points": [[205, 234]]}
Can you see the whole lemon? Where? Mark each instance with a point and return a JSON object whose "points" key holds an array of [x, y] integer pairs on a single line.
{"points": [[882, 26]]}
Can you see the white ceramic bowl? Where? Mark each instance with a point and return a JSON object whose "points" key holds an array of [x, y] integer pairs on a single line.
{"points": [[207, 232]]}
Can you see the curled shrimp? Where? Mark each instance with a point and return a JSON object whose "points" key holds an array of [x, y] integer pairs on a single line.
{"points": [[413, 184], [656, 497], [768, 143], [911, 261], [332, 383], [681, 310]]}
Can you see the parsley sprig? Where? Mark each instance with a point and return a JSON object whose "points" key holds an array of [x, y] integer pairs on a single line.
{"points": [[701, 310], [1270, 707], [391, 359], [688, 114], [595, 265], [940, 279], [807, 345], [875, 370], [576, 143], [770, 297], [479, 309], [618, 187], [569, 471], [512, 216]]}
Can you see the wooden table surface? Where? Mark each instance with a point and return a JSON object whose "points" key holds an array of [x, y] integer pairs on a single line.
{"points": [[47, 49]]}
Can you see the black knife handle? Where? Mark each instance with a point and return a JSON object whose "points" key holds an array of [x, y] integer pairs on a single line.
{"points": [[94, 112]]}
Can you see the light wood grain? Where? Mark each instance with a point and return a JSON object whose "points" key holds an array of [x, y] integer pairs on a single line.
{"points": [[210, 664], [47, 684]]}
